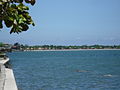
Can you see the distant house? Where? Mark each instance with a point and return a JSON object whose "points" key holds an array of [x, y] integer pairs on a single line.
{"points": [[14, 47], [17, 47], [5, 47]]}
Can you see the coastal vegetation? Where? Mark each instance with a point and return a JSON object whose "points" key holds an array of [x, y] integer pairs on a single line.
{"points": [[60, 47], [21, 47]]}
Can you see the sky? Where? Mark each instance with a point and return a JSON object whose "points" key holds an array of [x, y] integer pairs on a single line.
{"points": [[70, 22]]}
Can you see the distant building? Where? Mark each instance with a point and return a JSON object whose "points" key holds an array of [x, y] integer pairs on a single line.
{"points": [[5, 47]]}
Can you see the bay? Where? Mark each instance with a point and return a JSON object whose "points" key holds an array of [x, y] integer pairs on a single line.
{"points": [[67, 70]]}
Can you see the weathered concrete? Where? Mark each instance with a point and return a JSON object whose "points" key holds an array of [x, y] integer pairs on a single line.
{"points": [[10, 83], [7, 79], [2, 61], [2, 76]]}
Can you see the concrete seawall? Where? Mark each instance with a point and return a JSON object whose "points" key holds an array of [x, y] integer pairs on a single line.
{"points": [[10, 83], [2, 76], [7, 79]]}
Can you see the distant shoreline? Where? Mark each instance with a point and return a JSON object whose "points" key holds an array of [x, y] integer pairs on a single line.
{"points": [[72, 50]]}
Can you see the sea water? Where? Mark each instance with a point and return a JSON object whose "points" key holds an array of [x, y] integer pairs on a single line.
{"points": [[67, 70]]}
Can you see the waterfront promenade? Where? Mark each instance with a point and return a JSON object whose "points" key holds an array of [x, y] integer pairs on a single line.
{"points": [[2, 76], [10, 83], [7, 79]]}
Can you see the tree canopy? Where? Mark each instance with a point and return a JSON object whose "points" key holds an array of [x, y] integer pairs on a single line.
{"points": [[14, 14]]}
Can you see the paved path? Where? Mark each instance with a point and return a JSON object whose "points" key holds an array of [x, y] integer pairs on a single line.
{"points": [[2, 77], [10, 83], [4, 61], [7, 79]]}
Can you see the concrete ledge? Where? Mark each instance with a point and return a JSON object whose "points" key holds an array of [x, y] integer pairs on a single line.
{"points": [[10, 83], [4, 61], [2, 76]]}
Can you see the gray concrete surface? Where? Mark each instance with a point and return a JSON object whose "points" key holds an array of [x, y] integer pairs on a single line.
{"points": [[7, 79], [10, 83], [2, 76]]}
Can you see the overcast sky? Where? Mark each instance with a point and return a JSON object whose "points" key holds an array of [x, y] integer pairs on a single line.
{"points": [[71, 22]]}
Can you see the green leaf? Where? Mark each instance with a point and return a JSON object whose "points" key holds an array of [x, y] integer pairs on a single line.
{"points": [[15, 15], [25, 27], [18, 1], [8, 23], [22, 7], [13, 5], [32, 2], [33, 24], [12, 30], [21, 19], [27, 1]]}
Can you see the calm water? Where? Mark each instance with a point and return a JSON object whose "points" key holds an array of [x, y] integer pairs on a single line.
{"points": [[67, 70]]}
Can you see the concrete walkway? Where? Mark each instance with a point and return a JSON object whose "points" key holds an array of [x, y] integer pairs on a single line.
{"points": [[7, 79], [2, 77], [4, 61], [10, 83]]}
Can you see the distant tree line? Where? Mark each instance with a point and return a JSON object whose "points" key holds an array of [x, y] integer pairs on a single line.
{"points": [[21, 47], [60, 47]]}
